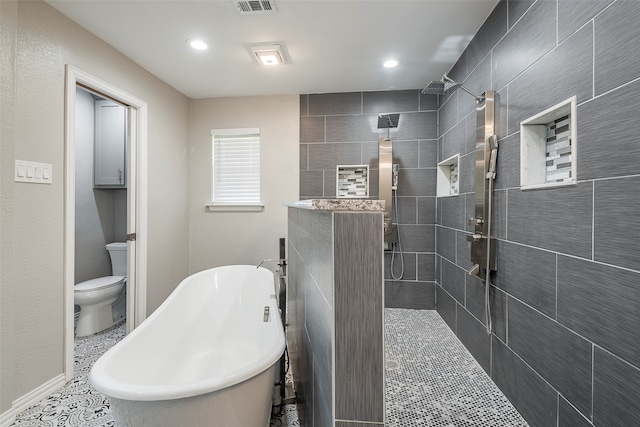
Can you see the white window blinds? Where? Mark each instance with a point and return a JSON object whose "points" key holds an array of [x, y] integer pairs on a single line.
{"points": [[236, 166]]}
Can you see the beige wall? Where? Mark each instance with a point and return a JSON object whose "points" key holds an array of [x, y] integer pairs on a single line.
{"points": [[222, 238], [37, 42]]}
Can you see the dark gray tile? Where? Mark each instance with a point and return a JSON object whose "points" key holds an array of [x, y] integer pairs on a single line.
{"points": [[428, 153], [392, 101], [470, 138], [601, 303], [466, 173], [573, 14], [453, 212], [499, 214], [374, 184], [463, 250], [478, 82], [409, 260], [417, 182], [370, 154], [356, 424], [446, 243], [318, 324], [528, 392], [438, 269], [320, 262], [470, 209], [312, 129], [447, 307], [326, 104], [528, 274], [617, 46], [448, 116], [502, 109], [475, 338], [417, 238], [328, 156], [453, 280], [407, 210], [426, 267], [405, 154], [352, 128], [311, 183], [426, 210], [411, 295], [532, 37], [322, 403], [453, 142], [359, 346], [570, 64], [508, 163], [428, 102], [547, 218], [422, 125], [491, 31], [304, 159], [474, 302], [568, 416], [330, 183], [559, 355], [616, 394], [517, 8], [304, 111], [617, 223], [606, 125]]}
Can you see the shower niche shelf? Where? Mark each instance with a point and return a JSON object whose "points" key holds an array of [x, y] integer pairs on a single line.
{"points": [[447, 179], [548, 147], [352, 181]]}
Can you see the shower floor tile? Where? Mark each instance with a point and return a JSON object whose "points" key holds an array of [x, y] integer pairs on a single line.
{"points": [[433, 381]]}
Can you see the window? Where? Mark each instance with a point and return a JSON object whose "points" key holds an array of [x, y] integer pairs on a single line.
{"points": [[236, 170]]}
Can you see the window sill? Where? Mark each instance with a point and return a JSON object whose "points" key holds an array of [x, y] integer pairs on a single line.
{"points": [[229, 207]]}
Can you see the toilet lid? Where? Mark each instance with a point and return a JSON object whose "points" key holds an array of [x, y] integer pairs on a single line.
{"points": [[99, 283]]}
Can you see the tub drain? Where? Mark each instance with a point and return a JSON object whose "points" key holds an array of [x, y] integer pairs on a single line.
{"points": [[391, 364]]}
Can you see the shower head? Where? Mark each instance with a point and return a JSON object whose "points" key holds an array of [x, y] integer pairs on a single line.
{"points": [[446, 86], [440, 88], [386, 121]]}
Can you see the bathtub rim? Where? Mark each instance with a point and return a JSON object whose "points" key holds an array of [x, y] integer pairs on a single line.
{"points": [[105, 384]]}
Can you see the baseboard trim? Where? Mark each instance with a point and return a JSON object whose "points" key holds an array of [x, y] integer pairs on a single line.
{"points": [[30, 399]]}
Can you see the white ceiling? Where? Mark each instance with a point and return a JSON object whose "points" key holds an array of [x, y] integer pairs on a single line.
{"points": [[334, 46]]}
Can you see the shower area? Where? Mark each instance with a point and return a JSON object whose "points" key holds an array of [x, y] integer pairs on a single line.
{"points": [[395, 134]]}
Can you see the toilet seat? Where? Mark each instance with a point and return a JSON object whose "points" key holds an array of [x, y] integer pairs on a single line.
{"points": [[98, 284]]}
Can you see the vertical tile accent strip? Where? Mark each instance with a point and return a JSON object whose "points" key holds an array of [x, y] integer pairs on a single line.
{"points": [[359, 352]]}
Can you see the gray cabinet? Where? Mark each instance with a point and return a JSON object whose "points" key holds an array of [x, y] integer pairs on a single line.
{"points": [[110, 150]]}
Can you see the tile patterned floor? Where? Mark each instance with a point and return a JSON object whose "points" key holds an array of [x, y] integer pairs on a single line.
{"points": [[432, 381], [79, 405]]}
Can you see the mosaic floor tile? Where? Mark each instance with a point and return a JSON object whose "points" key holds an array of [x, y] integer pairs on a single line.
{"points": [[77, 404], [433, 381]]}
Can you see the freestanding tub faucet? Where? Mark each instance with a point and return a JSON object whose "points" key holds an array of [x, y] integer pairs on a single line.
{"points": [[279, 261]]}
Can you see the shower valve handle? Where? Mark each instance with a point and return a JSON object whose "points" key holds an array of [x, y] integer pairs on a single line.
{"points": [[474, 237], [475, 221]]}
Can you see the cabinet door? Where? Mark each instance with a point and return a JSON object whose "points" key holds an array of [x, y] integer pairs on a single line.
{"points": [[110, 145]]}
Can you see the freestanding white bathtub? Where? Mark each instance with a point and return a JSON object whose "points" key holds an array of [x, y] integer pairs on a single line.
{"points": [[205, 357]]}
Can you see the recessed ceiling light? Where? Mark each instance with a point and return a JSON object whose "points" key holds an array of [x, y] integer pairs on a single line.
{"points": [[197, 44], [390, 63]]}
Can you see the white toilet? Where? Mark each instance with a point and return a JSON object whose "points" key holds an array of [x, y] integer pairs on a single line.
{"points": [[102, 301]]}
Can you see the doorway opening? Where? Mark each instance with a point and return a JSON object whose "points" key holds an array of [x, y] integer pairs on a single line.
{"points": [[117, 201]]}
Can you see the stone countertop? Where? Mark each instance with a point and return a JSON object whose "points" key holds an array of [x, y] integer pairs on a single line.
{"points": [[339, 204]]}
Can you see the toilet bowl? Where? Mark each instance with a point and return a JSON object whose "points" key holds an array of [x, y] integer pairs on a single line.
{"points": [[102, 300]]}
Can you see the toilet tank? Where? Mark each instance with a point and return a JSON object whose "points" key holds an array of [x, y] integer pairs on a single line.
{"points": [[118, 254]]}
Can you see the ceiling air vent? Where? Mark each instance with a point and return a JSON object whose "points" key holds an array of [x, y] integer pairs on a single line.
{"points": [[255, 7]]}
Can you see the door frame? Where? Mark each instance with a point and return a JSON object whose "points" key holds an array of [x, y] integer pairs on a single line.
{"points": [[136, 204]]}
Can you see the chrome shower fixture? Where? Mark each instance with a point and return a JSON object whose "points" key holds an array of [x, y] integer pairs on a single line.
{"points": [[387, 121], [447, 85]]}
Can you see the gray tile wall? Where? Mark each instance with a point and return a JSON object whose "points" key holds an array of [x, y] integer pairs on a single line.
{"points": [[341, 128], [335, 316], [565, 347]]}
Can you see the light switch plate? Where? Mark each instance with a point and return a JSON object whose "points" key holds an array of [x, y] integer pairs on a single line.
{"points": [[38, 173]]}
